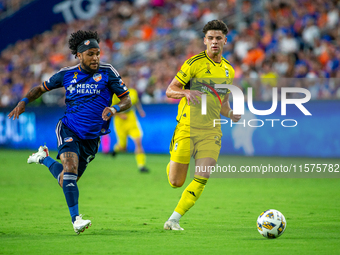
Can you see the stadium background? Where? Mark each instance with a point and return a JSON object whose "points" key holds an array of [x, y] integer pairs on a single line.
{"points": [[147, 41]]}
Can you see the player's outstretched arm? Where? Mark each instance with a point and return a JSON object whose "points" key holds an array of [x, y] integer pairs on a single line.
{"points": [[124, 104], [175, 90], [227, 111], [32, 95], [140, 109]]}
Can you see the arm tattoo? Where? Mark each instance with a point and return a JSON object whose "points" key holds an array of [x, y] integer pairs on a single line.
{"points": [[125, 103], [34, 93]]}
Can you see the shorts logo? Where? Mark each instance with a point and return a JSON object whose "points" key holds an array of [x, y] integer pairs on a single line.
{"points": [[97, 77], [68, 139], [87, 42], [176, 145], [217, 140]]}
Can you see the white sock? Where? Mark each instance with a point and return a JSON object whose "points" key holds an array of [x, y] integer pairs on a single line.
{"points": [[175, 216]]}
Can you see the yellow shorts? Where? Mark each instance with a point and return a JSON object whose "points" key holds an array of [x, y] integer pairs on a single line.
{"points": [[199, 143], [127, 127]]}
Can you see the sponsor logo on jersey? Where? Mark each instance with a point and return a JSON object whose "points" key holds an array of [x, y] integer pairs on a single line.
{"points": [[87, 42], [97, 77], [84, 88], [68, 139], [71, 89]]}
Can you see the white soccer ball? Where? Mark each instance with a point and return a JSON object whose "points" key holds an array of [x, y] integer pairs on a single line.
{"points": [[271, 223]]}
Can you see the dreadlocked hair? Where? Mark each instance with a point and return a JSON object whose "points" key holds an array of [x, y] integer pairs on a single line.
{"points": [[80, 36]]}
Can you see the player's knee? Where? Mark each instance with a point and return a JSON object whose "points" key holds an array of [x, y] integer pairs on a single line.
{"points": [[70, 168], [175, 183]]}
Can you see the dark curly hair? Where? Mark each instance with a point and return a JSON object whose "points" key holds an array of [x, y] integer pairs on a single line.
{"points": [[216, 25], [79, 37]]}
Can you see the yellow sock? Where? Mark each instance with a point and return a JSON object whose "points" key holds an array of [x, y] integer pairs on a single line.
{"points": [[140, 158], [191, 194], [167, 172]]}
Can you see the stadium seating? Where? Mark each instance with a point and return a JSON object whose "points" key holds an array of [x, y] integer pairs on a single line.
{"points": [[149, 40]]}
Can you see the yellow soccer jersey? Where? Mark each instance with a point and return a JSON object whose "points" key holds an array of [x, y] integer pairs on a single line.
{"points": [[205, 73]]}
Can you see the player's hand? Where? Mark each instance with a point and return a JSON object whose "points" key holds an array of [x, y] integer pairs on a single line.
{"points": [[235, 118], [108, 113], [193, 96], [19, 109], [142, 114], [123, 116]]}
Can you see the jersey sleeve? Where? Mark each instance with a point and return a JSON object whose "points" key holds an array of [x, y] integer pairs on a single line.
{"points": [[56, 81], [116, 84], [184, 74]]}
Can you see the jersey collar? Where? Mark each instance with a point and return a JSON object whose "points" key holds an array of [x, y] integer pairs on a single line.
{"points": [[212, 61]]}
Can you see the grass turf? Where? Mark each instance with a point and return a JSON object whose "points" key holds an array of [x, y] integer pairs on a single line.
{"points": [[128, 210]]}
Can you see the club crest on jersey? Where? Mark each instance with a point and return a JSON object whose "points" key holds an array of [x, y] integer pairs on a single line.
{"points": [[68, 139], [87, 42], [97, 77], [227, 73]]}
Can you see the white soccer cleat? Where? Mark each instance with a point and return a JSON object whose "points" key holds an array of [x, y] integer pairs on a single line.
{"points": [[80, 225], [40, 155], [172, 225]]}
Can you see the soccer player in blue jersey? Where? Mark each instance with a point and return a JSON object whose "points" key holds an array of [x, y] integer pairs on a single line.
{"points": [[89, 87]]}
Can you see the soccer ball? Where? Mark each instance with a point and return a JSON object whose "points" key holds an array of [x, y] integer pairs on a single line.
{"points": [[271, 224]]}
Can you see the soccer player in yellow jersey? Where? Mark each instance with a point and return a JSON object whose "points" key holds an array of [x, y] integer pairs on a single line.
{"points": [[126, 124], [198, 138]]}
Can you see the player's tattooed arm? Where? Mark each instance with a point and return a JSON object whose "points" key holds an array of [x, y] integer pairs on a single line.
{"points": [[124, 104], [32, 95], [35, 93]]}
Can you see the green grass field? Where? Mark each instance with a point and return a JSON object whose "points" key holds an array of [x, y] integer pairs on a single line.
{"points": [[128, 210]]}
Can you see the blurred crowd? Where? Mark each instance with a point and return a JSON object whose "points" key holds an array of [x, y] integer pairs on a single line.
{"points": [[11, 6], [270, 44]]}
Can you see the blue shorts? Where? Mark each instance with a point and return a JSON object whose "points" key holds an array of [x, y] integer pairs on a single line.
{"points": [[68, 141]]}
